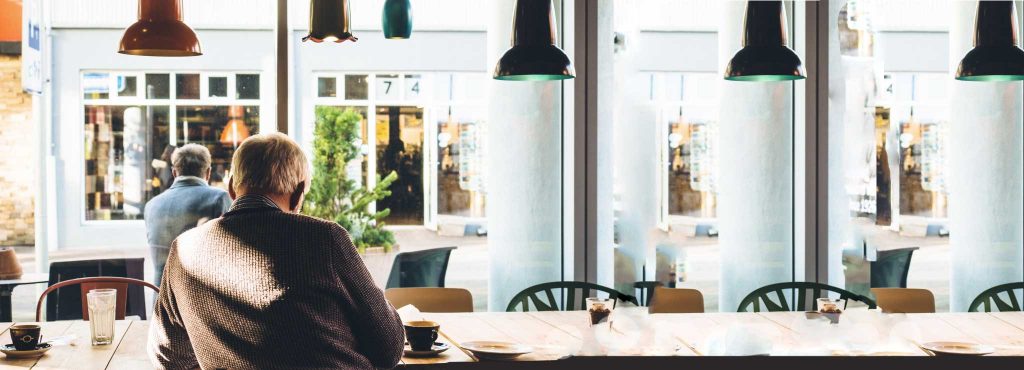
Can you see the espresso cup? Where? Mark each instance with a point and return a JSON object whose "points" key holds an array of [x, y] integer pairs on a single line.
{"points": [[25, 337], [421, 334]]}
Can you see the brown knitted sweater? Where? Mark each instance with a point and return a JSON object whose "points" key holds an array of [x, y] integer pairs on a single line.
{"points": [[264, 289]]}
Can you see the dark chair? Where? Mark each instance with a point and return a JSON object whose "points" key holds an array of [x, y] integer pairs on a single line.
{"points": [[763, 296], [991, 295], [891, 268], [66, 303], [103, 282], [573, 302], [646, 289], [420, 269]]}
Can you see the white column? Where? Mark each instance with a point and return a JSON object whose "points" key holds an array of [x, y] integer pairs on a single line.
{"points": [[986, 175], [607, 80], [756, 175], [524, 182], [636, 158]]}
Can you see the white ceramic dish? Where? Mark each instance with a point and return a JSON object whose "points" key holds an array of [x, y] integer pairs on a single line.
{"points": [[491, 350]]}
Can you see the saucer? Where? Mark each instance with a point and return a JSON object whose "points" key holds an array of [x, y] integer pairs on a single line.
{"points": [[434, 351], [8, 349]]}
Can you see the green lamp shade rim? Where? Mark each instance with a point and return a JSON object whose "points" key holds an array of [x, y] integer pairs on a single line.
{"points": [[992, 64], [167, 38], [534, 63], [765, 64]]}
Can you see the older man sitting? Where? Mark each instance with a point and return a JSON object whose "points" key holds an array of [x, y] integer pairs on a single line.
{"points": [[188, 202], [263, 287]]}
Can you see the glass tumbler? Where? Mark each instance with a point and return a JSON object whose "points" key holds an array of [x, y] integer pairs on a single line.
{"points": [[102, 303]]}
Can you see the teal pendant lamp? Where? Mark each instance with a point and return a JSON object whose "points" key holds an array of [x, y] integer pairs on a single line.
{"points": [[534, 56], [996, 56], [765, 55], [397, 19]]}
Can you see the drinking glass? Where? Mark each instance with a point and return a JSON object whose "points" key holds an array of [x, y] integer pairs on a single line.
{"points": [[600, 309], [102, 303]]}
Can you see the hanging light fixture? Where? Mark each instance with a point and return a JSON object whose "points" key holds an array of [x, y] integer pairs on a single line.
{"points": [[397, 19], [996, 56], [534, 56], [329, 21], [235, 131], [765, 56], [160, 32]]}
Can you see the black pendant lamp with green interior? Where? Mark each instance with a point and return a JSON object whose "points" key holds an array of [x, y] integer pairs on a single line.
{"points": [[765, 55], [534, 56], [397, 19], [996, 56], [329, 20]]}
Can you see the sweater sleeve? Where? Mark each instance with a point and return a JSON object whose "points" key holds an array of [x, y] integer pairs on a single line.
{"points": [[375, 324], [169, 346]]}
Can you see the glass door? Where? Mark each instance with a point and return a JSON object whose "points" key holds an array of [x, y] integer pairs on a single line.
{"points": [[399, 133]]}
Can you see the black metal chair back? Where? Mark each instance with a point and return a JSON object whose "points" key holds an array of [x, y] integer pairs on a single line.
{"points": [[646, 289], [991, 297], [772, 298], [420, 269], [548, 296], [891, 268], [66, 303]]}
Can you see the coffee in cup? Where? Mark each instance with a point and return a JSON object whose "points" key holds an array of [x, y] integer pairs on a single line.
{"points": [[25, 337], [421, 334]]}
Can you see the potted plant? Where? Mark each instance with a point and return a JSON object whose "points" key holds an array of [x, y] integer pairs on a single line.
{"points": [[333, 195]]}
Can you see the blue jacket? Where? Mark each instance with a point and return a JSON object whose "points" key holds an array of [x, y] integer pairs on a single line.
{"points": [[178, 209]]}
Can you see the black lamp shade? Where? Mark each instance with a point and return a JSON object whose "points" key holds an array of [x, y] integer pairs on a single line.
{"points": [[765, 55], [397, 19], [534, 56], [160, 32], [329, 21], [996, 56]]}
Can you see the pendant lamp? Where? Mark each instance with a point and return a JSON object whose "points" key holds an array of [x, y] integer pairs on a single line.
{"points": [[534, 56], [765, 56], [996, 56], [329, 21], [235, 131], [397, 19], [160, 32]]}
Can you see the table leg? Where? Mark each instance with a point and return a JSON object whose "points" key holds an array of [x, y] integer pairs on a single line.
{"points": [[5, 303]]}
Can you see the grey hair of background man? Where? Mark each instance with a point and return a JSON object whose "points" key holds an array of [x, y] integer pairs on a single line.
{"points": [[191, 160]]}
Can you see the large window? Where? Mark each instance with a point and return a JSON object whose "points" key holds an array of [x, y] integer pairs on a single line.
{"points": [[704, 169], [134, 120]]}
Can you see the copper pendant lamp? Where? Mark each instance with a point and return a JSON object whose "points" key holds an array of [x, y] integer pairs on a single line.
{"points": [[765, 55], [329, 21], [996, 55], [160, 32], [534, 56]]}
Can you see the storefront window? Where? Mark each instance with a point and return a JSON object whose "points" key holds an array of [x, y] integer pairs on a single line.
{"points": [[129, 138]]}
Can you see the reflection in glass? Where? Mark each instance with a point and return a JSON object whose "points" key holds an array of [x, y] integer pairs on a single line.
{"points": [[219, 129], [327, 87], [126, 86], [247, 86], [400, 149], [187, 86], [218, 87], [158, 86], [356, 87], [460, 164]]}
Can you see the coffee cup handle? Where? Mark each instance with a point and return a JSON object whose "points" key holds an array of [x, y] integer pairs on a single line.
{"points": [[433, 338]]}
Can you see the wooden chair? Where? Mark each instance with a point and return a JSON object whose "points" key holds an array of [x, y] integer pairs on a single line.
{"points": [[443, 300], [991, 297], [65, 304], [89, 283], [763, 296], [572, 301], [676, 300], [904, 300], [420, 269]]}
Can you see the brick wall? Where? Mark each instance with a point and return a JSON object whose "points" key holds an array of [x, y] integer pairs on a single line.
{"points": [[17, 157]]}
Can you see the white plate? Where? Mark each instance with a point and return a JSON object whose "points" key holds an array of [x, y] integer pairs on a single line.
{"points": [[489, 350], [958, 348]]}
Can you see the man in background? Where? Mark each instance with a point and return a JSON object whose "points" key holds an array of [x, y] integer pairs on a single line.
{"points": [[190, 201]]}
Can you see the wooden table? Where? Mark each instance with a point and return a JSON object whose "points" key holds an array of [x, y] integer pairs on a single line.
{"points": [[558, 335]]}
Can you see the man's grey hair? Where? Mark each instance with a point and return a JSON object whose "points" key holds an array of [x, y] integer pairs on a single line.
{"points": [[191, 160], [269, 164]]}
